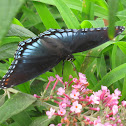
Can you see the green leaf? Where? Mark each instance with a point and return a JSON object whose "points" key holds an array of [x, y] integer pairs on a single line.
{"points": [[32, 18], [42, 121], [89, 23], [113, 76], [22, 116], [97, 23], [16, 30], [122, 15], [46, 17], [122, 46], [103, 69], [7, 50], [101, 3], [100, 12], [8, 9], [17, 22], [123, 90], [86, 24], [14, 105], [94, 52], [74, 4], [7, 40], [114, 56], [87, 10], [2, 99], [67, 15], [113, 8]]}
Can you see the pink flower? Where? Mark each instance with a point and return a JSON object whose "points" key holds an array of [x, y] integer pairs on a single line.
{"points": [[98, 122], [61, 91], [75, 80], [61, 111], [62, 104], [95, 109], [84, 89], [117, 92], [70, 76], [76, 107], [74, 94], [67, 101], [50, 113], [51, 125], [51, 78], [95, 99], [60, 124], [124, 103], [111, 100], [59, 78], [82, 78], [36, 96], [108, 124], [115, 109], [78, 85], [104, 88]]}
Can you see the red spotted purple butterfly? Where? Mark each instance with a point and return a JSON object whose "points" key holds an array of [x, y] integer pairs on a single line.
{"points": [[37, 55]]}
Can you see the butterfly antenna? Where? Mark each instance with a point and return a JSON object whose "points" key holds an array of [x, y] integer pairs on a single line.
{"points": [[88, 56]]}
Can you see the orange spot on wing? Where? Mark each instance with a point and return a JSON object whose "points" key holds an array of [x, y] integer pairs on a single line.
{"points": [[6, 83]]}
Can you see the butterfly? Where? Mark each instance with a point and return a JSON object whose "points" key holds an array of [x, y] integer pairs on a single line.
{"points": [[39, 54]]}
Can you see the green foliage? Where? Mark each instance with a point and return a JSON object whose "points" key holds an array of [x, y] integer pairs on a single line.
{"points": [[103, 65]]}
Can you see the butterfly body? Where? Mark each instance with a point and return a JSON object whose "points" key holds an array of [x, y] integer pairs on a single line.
{"points": [[37, 55]]}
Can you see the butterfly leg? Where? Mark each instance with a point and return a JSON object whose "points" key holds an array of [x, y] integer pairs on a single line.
{"points": [[74, 67]]}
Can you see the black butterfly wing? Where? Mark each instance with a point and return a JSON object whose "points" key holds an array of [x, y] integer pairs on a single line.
{"points": [[38, 55], [83, 39], [86, 39], [32, 58]]}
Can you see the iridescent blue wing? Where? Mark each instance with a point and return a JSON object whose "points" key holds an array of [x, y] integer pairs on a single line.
{"points": [[84, 39], [32, 58], [38, 55]]}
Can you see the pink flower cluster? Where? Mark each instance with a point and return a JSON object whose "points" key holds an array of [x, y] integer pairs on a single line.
{"points": [[79, 105]]}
